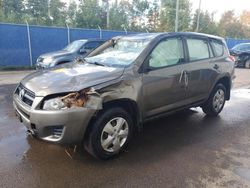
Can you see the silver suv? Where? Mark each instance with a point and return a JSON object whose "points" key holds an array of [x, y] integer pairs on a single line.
{"points": [[101, 100]]}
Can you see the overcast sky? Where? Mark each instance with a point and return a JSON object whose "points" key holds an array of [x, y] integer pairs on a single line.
{"points": [[218, 6], [222, 5]]}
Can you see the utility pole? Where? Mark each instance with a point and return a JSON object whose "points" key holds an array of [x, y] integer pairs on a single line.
{"points": [[198, 17], [106, 2], [176, 16], [49, 13], [107, 14]]}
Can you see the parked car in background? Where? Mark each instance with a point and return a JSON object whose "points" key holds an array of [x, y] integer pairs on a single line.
{"points": [[78, 48], [241, 53], [101, 100]]}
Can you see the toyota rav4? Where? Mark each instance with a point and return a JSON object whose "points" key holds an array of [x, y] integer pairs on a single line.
{"points": [[101, 100]]}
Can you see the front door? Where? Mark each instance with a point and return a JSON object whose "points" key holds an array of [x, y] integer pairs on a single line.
{"points": [[163, 83]]}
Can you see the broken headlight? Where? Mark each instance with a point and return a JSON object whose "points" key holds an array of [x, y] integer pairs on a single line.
{"points": [[54, 104], [88, 98]]}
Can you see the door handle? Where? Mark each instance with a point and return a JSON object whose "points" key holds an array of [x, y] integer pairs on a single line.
{"points": [[180, 79], [184, 74], [216, 66], [186, 79]]}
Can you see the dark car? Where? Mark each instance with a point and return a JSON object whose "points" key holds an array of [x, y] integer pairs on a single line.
{"points": [[241, 53], [100, 101], [78, 48]]}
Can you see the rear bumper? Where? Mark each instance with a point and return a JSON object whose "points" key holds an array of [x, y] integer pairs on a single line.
{"points": [[61, 126]]}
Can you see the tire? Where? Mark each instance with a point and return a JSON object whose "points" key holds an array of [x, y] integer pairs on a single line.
{"points": [[110, 133], [247, 64], [216, 101]]}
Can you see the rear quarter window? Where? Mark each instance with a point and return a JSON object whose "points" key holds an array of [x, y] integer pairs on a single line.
{"points": [[198, 49], [218, 48]]}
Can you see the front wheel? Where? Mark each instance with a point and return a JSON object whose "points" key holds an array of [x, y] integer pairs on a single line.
{"points": [[247, 64], [216, 101], [110, 133]]}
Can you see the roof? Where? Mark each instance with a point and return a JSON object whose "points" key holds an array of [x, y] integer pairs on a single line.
{"points": [[91, 39], [153, 35]]}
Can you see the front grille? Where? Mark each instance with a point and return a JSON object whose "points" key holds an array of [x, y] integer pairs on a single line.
{"points": [[25, 95]]}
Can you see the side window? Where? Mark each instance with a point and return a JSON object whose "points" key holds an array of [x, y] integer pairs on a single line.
{"points": [[248, 47], [100, 43], [198, 49], [218, 48], [91, 45], [245, 47], [166, 53]]}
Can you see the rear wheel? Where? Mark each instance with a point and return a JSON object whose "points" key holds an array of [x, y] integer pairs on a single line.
{"points": [[247, 64], [216, 101], [110, 133]]}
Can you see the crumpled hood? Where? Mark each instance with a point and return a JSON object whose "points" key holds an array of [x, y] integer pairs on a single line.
{"points": [[237, 52], [69, 77]]}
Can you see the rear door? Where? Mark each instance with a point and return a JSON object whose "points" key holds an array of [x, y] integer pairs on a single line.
{"points": [[198, 68], [163, 88]]}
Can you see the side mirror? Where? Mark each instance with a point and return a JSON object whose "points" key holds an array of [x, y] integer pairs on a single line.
{"points": [[147, 67], [83, 51]]}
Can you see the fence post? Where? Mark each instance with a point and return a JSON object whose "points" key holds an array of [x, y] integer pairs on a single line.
{"points": [[68, 32], [125, 30], [100, 30], [29, 41]]}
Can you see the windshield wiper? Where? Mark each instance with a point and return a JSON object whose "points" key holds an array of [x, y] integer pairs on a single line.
{"points": [[83, 60], [97, 63]]}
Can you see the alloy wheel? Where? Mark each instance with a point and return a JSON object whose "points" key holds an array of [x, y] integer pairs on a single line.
{"points": [[218, 100], [114, 134]]}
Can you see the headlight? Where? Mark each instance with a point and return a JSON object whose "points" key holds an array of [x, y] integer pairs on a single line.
{"points": [[54, 104], [88, 98], [47, 60]]}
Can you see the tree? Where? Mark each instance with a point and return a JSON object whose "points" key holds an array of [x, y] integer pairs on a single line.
{"points": [[137, 14], [1, 11], [12, 10], [167, 15], [71, 13], [57, 11], [119, 15], [37, 12], [245, 18], [153, 16], [230, 26], [206, 23], [90, 14]]}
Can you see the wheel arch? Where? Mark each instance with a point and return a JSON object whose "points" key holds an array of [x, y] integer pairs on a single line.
{"points": [[226, 81], [128, 105]]}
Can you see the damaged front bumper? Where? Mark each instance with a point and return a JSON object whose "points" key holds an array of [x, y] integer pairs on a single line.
{"points": [[65, 126]]}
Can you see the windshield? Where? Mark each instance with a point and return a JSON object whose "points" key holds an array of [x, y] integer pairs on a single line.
{"points": [[241, 47], [74, 46], [121, 54]]}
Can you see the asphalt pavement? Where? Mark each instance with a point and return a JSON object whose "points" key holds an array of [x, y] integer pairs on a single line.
{"points": [[186, 149]]}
